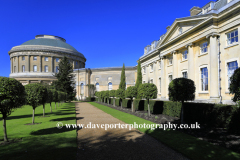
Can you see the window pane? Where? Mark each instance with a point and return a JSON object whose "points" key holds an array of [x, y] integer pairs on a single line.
{"points": [[236, 39], [232, 34], [236, 33]]}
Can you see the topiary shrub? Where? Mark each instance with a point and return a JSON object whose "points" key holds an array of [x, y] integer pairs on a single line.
{"points": [[131, 93], [120, 93], [138, 104], [234, 87], [126, 103], [112, 94], [147, 91], [180, 90]]}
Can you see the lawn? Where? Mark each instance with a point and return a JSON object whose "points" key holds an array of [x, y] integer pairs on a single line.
{"points": [[41, 141], [189, 146]]}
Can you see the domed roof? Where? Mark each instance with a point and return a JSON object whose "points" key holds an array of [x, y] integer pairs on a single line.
{"points": [[48, 40]]}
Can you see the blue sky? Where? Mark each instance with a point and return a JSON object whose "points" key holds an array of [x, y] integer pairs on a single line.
{"points": [[108, 32]]}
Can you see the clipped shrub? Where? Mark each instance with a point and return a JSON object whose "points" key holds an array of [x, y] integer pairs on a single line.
{"points": [[120, 93], [131, 93], [235, 85], [138, 104], [156, 107], [126, 103], [117, 102], [172, 109]]}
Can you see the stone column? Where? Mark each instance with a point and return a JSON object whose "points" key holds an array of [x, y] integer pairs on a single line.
{"points": [[17, 64], [28, 63], [10, 65], [52, 63], [175, 64], [191, 73], [73, 64], [40, 66], [213, 69], [163, 78]]}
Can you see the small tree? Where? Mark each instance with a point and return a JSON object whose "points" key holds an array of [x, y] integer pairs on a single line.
{"points": [[12, 96], [180, 90], [120, 93], [234, 87], [34, 96], [50, 98], [59, 97], [55, 96], [131, 93], [139, 75], [100, 94], [96, 95], [106, 95], [147, 91], [112, 94], [44, 98], [122, 84]]}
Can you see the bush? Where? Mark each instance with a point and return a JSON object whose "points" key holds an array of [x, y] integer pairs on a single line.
{"points": [[138, 104], [126, 103], [117, 102], [156, 107], [235, 85], [172, 109], [90, 99]]}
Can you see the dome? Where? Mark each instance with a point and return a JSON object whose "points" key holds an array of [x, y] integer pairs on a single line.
{"points": [[48, 40]]}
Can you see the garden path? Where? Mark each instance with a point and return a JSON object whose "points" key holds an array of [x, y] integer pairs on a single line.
{"points": [[117, 143]]}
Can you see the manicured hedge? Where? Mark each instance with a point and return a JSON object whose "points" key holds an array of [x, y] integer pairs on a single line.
{"points": [[172, 109], [138, 104], [117, 102], [90, 99], [126, 103]]}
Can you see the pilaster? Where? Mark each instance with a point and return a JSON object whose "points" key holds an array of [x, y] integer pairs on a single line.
{"points": [[28, 63], [191, 68], [17, 64], [52, 63], [175, 64], [40, 66], [163, 78]]}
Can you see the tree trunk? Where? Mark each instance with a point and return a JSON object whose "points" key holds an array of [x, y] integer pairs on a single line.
{"points": [[114, 102], [108, 101], [148, 108], [5, 130], [51, 107], [58, 104], [43, 110], [33, 116], [182, 121], [121, 102], [55, 105]]}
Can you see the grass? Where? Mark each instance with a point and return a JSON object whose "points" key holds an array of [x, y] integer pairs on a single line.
{"points": [[41, 141], [189, 146]]}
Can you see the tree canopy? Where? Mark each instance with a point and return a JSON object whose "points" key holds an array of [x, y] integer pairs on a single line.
{"points": [[122, 84]]}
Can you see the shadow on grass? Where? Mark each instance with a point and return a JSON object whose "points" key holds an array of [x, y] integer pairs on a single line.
{"points": [[64, 113], [39, 148], [66, 119], [51, 131], [24, 116]]}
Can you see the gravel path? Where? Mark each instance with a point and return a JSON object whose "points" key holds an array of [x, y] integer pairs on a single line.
{"points": [[114, 144]]}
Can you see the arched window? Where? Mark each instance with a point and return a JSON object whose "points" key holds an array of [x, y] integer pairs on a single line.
{"points": [[110, 86], [97, 86], [82, 88]]}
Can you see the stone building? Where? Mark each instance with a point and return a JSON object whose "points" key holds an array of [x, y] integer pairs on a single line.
{"points": [[37, 60], [203, 47]]}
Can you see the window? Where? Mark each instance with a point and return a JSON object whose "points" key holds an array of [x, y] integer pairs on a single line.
{"points": [[159, 85], [170, 78], [46, 68], [204, 79], [203, 47], [180, 30], [46, 58], [23, 58], [144, 69], [151, 66], [23, 68], [76, 63], [34, 68], [151, 81], [57, 59], [184, 55], [184, 74], [15, 69], [170, 60], [97, 86], [232, 37], [35, 58], [109, 86], [56, 69], [82, 88], [232, 66]]}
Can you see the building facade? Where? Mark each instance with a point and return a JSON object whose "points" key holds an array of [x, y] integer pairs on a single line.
{"points": [[203, 47]]}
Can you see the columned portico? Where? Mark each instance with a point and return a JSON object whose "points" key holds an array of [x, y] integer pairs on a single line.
{"points": [[28, 67], [40, 63], [175, 64], [17, 64], [52, 63]]}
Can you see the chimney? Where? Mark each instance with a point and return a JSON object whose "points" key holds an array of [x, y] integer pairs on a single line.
{"points": [[195, 10]]}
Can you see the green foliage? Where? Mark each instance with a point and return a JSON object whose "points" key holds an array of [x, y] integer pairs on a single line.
{"points": [[147, 91], [181, 89], [35, 94], [234, 87], [112, 93], [172, 109], [139, 75], [120, 93], [117, 102], [55, 95], [96, 94], [90, 99], [131, 92], [12, 95], [50, 96], [138, 104], [65, 82], [105, 94], [126, 103], [122, 84], [156, 107]]}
